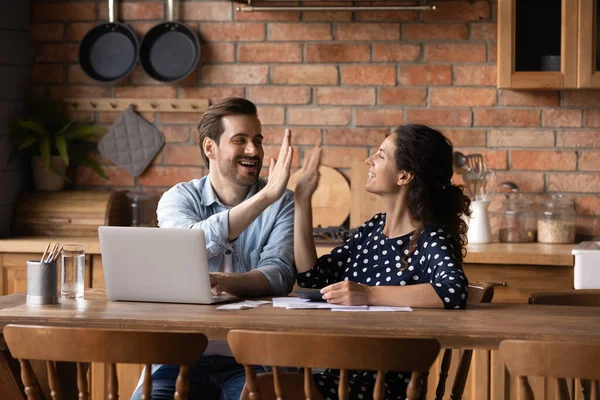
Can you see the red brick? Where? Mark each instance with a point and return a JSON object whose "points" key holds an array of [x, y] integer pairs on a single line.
{"points": [[543, 160], [494, 159], [484, 31], [459, 11], [300, 136], [58, 53], [64, 12], [591, 118], [506, 117], [521, 138], [82, 116], [305, 74], [180, 118], [465, 137], [435, 32], [213, 94], [425, 75], [47, 32], [232, 31], [215, 53], [269, 52], [587, 228], [60, 92], [368, 75], [462, 97], [110, 117], [492, 50], [234, 74], [455, 52], [176, 134], [589, 161], [327, 15], [475, 75], [527, 181], [438, 117], [135, 11], [562, 118], [141, 28], [273, 152], [365, 31], [378, 117], [183, 155], [279, 94], [402, 96], [326, 52], [48, 73], [318, 116], [169, 176], [76, 75], [139, 77], [299, 31], [77, 30], [397, 52], [588, 205], [271, 115], [355, 136], [85, 176], [579, 98], [386, 15], [342, 157], [578, 138], [532, 99], [206, 11], [345, 95], [267, 15], [575, 182], [146, 92]]}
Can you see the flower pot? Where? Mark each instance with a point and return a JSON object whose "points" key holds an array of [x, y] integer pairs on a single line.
{"points": [[46, 180]]}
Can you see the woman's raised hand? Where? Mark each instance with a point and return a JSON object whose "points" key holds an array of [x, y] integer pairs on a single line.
{"points": [[309, 178], [279, 170]]}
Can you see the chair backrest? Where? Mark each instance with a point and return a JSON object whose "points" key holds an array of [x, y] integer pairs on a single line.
{"points": [[551, 359], [589, 297], [84, 345], [279, 349], [480, 292]]}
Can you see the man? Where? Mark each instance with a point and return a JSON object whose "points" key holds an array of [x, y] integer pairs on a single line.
{"points": [[248, 225]]}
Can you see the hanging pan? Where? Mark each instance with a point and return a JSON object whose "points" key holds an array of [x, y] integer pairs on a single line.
{"points": [[169, 51], [109, 51]]}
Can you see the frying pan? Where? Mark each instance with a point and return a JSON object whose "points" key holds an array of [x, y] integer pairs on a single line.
{"points": [[169, 51], [109, 51]]}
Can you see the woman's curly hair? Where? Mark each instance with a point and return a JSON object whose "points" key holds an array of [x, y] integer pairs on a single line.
{"points": [[432, 199]]}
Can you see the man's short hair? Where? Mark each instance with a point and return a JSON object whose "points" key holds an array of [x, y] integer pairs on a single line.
{"points": [[211, 124]]}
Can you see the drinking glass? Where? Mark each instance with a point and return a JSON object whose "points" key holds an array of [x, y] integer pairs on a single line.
{"points": [[73, 269]]}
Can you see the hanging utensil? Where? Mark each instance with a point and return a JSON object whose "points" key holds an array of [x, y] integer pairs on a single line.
{"points": [[169, 51], [459, 163]]}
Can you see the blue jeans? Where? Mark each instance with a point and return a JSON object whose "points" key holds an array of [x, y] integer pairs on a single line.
{"points": [[212, 378]]}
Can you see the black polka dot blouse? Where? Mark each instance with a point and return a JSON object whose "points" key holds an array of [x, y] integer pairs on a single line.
{"points": [[370, 258]]}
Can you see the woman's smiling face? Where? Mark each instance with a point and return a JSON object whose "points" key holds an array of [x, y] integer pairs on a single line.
{"points": [[383, 175]]}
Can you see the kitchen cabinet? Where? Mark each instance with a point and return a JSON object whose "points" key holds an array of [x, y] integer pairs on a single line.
{"points": [[538, 44], [588, 50]]}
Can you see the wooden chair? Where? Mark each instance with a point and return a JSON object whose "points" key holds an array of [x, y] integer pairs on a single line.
{"points": [[84, 345], [551, 359], [479, 292], [584, 298], [343, 352]]}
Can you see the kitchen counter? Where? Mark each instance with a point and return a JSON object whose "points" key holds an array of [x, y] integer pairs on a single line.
{"points": [[493, 253]]}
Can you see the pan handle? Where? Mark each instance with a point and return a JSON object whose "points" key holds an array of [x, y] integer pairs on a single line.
{"points": [[170, 11], [111, 11]]}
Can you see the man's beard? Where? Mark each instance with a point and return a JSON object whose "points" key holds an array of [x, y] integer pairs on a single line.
{"points": [[230, 169]]}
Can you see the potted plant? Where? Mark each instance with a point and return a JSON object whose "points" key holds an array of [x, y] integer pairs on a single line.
{"points": [[55, 142]]}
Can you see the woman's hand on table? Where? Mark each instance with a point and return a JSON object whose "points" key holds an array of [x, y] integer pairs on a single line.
{"points": [[347, 293]]}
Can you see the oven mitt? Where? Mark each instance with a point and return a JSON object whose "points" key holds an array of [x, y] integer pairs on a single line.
{"points": [[131, 142]]}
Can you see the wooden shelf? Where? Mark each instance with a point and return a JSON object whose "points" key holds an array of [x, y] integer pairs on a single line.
{"points": [[142, 105]]}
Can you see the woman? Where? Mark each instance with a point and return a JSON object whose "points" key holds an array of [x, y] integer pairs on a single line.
{"points": [[411, 255]]}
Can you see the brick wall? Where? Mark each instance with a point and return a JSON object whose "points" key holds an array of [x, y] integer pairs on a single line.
{"points": [[15, 63], [348, 78]]}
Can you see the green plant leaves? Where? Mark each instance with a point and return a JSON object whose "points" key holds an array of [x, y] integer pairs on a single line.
{"points": [[61, 145]]}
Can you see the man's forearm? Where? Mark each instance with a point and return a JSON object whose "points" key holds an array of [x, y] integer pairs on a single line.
{"points": [[250, 284], [242, 215]]}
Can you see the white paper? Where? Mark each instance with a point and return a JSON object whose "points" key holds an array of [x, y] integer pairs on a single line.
{"points": [[285, 301], [256, 303], [300, 306], [374, 309], [243, 305], [342, 307]]}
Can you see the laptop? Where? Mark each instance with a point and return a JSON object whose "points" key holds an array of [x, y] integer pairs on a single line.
{"points": [[165, 265]]}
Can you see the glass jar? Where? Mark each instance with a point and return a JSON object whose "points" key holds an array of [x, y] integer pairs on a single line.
{"points": [[556, 221], [518, 223]]}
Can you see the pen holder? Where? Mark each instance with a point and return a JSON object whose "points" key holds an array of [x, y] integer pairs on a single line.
{"points": [[42, 282]]}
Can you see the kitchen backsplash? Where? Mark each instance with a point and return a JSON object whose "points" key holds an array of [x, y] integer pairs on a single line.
{"points": [[348, 77]]}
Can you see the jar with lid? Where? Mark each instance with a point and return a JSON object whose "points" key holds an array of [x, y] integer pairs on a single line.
{"points": [[518, 223], [556, 220]]}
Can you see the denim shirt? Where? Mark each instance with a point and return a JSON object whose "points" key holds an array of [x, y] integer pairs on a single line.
{"points": [[266, 245]]}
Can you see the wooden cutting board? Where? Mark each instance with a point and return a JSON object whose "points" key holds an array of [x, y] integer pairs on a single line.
{"points": [[331, 201], [364, 204]]}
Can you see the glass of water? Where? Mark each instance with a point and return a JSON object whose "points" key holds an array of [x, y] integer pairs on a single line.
{"points": [[73, 269]]}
